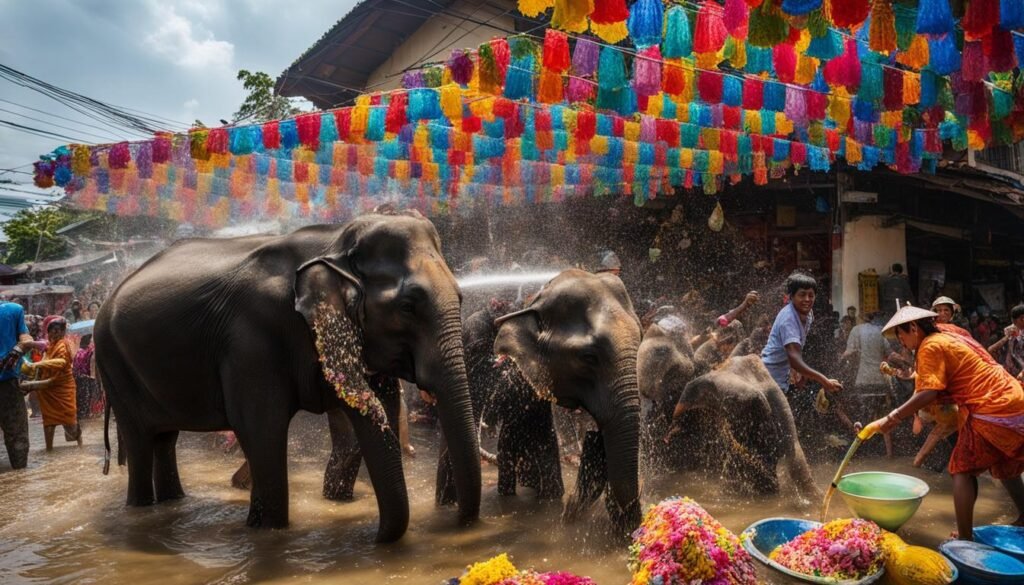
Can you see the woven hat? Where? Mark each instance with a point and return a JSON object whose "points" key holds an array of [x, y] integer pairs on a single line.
{"points": [[945, 301], [906, 315]]}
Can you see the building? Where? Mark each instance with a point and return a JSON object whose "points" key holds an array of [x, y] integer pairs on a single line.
{"points": [[959, 232]]}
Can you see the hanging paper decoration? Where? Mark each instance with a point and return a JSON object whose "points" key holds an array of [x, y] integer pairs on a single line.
{"points": [[460, 67], [916, 56], [943, 57], [934, 17], [556, 51], [608, 20], [849, 13], [800, 7], [571, 15], [784, 60], [678, 42], [767, 26], [1011, 14], [645, 23], [998, 50], [980, 18], [883, 27], [534, 8], [735, 18], [647, 71]]}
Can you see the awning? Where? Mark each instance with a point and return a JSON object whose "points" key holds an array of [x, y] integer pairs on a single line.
{"points": [[69, 264]]}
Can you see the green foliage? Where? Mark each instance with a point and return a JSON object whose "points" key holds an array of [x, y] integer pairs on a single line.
{"points": [[261, 104], [32, 230]]}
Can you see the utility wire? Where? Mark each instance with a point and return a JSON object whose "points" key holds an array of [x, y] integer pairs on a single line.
{"points": [[105, 128], [55, 125], [40, 132]]}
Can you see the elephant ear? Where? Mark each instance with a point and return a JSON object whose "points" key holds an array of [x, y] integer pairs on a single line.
{"points": [[519, 340], [329, 297]]}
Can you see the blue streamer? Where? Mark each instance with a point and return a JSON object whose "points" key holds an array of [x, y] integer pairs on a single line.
{"points": [[678, 41], [774, 96], [289, 135], [759, 60], [929, 89], [495, 128], [689, 135], [284, 169], [780, 150], [934, 17], [669, 109], [767, 122], [328, 130], [827, 46], [440, 137], [375, 124], [732, 91], [611, 70], [817, 158], [944, 57], [864, 110], [646, 154], [645, 22], [800, 7], [424, 104]]}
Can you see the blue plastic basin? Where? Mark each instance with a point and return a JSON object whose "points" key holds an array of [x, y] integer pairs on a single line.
{"points": [[980, 564], [761, 538], [1008, 539]]}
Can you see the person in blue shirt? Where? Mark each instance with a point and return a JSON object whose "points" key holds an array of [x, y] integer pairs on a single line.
{"points": [[14, 340], [784, 351]]}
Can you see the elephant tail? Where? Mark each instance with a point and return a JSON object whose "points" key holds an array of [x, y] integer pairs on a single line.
{"points": [[106, 439]]}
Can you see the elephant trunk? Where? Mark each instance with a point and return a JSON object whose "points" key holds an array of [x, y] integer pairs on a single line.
{"points": [[383, 456], [621, 432], [455, 411]]}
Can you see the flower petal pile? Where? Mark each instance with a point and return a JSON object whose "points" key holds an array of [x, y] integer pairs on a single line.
{"points": [[842, 549], [499, 570], [679, 542]]}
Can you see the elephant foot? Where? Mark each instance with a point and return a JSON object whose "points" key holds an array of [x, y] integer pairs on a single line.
{"points": [[138, 502], [339, 493], [171, 491], [242, 479], [626, 518], [260, 517]]}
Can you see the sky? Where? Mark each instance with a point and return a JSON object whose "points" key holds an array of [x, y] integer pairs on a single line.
{"points": [[176, 59]]}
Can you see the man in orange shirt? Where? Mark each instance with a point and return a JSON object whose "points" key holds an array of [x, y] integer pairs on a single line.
{"points": [[991, 409]]}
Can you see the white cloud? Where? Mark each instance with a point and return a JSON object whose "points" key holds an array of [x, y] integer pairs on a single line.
{"points": [[188, 46]]}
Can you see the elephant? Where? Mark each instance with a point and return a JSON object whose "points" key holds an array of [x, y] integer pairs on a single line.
{"points": [[754, 424], [253, 329], [575, 344]]}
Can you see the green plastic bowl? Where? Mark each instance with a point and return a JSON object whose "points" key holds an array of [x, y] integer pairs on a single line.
{"points": [[887, 499]]}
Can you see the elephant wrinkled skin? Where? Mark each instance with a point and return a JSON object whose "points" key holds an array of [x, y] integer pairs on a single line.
{"points": [[219, 334]]}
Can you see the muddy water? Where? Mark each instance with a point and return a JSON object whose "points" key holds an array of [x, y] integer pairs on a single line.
{"points": [[61, 521]]}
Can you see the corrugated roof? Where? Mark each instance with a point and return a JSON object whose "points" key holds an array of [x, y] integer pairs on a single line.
{"points": [[336, 68]]}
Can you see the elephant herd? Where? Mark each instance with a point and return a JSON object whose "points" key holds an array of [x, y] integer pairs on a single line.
{"points": [[327, 318]]}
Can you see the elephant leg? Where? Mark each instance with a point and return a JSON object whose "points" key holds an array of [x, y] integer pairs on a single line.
{"points": [[139, 447], [122, 452], [592, 478], [345, 460], [242, 479], [165, 467], [546, 458], [508, 457]]}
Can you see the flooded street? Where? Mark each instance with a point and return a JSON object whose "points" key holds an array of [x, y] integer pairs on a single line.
{"points": [[62, 521]]}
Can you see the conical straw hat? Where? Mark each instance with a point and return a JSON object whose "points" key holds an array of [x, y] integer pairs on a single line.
{"points": [[906, 315], [945, 301]]}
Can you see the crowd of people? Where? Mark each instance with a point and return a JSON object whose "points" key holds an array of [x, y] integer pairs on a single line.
{"points": [[46, 374]]}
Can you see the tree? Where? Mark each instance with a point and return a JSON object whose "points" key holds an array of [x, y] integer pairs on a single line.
{"points": [[32, 232], [261, 104]]}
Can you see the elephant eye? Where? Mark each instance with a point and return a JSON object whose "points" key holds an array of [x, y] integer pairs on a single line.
{"points": [[589, 358], [407, 306]]}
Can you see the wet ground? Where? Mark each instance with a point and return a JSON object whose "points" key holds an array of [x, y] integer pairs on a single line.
{"points": [[62, 521]]}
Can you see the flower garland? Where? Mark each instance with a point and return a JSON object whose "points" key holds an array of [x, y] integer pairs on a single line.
{"points": [[841, 550], [679, 542], [499, 570], [339, 345]]}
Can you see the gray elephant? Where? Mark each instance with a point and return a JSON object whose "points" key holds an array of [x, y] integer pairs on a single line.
{"points": [[753, 423], [253, 329], [575, 345]]}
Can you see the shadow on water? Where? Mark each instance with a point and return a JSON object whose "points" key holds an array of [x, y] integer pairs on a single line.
{"points": [[62, 521]]}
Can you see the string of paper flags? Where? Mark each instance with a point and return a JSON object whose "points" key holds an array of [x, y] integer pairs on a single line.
{"points": [[706, 94]]}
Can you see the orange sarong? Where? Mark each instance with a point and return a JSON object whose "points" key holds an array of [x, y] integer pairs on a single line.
{"points": [[990, 400], [57, 402]]}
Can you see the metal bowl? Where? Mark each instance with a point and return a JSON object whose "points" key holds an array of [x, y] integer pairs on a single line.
{"points": [[887, 499], [761, 538]]}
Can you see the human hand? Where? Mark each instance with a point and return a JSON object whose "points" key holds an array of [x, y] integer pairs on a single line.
{"points": [[1011, 331], [751, 298], [871, 430], [12, 358], [832, 385]]}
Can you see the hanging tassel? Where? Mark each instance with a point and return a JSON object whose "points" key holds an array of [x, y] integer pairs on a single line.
{"points": [[943, 56], [1018, 47], [556, 51], [413, 79], [817, 24], [826, 47], [849, 13], [768, 26], [972, 61], [732, 91], [550, 89], [916, 55], [579, 90], [800, 7], [710, 33], [934, 17], [571, 15], [1011, 14], [840, 109], [893, 84], [806, 69], [845, 70], [396, 115], [460, 67], [817, 105], [882, 35], [328, 130], [774, 96], [796, 105], [645, 23], [911, 88], [608, 20], [490, 76], [709, 87], [906, 28], [980, 18], [585, 57], [611, 72], [736, 18], [678, 42], [451, 102], [759, 60], [647, 71], [753, 94], [998, 49], [309, 131], [871, 83], [784, 59], [534, 8], [673, 80], [519, 81]]}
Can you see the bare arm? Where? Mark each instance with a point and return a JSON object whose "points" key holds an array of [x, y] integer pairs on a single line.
{"points": [[796, 361], [905, 410], [748, 301]]}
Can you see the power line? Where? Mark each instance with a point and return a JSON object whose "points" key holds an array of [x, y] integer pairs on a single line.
{"points": [[40, 132], [105, 127], [55, 125]]}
